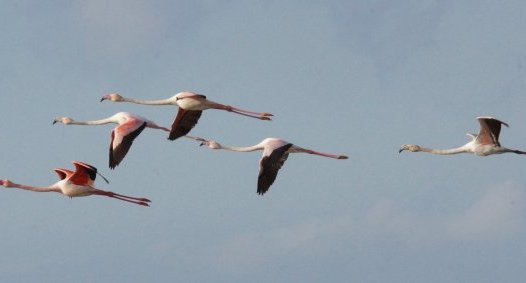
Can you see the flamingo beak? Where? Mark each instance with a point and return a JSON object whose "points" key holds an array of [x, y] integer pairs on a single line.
{"points": [[201, 144], [400, 150], [54, 122], [102, 99]]}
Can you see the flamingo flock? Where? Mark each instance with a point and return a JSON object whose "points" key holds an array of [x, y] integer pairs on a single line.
{"points": [[80, 182], [190, 105]]}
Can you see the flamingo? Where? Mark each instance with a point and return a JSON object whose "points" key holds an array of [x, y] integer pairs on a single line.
{"points": [[78, 183], [191, 106], [275, 153], [122, 137], [483, 144]]}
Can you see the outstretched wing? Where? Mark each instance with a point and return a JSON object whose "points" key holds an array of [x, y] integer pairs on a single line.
{"points": [[84, 174], [63, 173], [489, 130], [269, 167], [184, 122], [122, 138]]}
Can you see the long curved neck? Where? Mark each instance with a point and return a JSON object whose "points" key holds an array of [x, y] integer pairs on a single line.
{"points": [[242, 149], [457, 150], [167, 101], [51, 188], [94, 122]]}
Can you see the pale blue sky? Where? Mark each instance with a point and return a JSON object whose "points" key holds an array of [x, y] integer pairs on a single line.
{"points": [[348, 77]]}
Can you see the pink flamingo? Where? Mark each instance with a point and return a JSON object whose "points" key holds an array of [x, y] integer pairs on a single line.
{"points": [[483, 144], [275, 153], [191, 106], [76, 184], [129, 127]]}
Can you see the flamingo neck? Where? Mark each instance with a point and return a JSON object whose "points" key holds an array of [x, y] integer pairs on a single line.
{"points": [[94, 122], [242, 149], [35, 189], [457, 150], [168, 101]]}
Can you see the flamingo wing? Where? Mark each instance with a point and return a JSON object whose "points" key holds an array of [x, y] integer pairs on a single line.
{"points": [[489, 130], [269, 167], [85, 174], [184, 122], [122, 138], [63, 173], [86, 169]]}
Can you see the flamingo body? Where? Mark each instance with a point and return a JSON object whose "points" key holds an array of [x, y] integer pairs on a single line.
{"points": [[192, 102]]}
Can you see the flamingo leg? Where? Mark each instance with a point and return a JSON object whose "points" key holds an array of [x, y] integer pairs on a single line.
{"points": [[159, 127], [136, 202], [257, 115], [134, 198], [194, 138], [310, 151], [139, 201], [249, 112], [248, 115]]}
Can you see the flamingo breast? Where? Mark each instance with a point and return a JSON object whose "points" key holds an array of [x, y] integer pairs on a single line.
{"points": [[484, 150], [71, 190]]}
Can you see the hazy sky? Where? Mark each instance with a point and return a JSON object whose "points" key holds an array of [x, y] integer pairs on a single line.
{"points": [[347, 77]]}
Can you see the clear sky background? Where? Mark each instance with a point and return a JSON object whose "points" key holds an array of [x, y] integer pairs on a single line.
{"points": [[345, 77]]}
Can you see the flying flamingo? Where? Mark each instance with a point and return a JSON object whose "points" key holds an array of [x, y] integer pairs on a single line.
{"points": [[78, 183], [483, 144], [275, 153], [122, 137], [191, 106]]}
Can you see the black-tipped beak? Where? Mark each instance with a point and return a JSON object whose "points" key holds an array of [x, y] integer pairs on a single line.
{"points": [[54, 122], [201, 144], [400, 150], [102, 99]]}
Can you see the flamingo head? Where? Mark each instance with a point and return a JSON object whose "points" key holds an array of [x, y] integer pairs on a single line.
{"points": [[211, 144], [409, 147], [115, 97], [63, 120], [6, 183]]}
